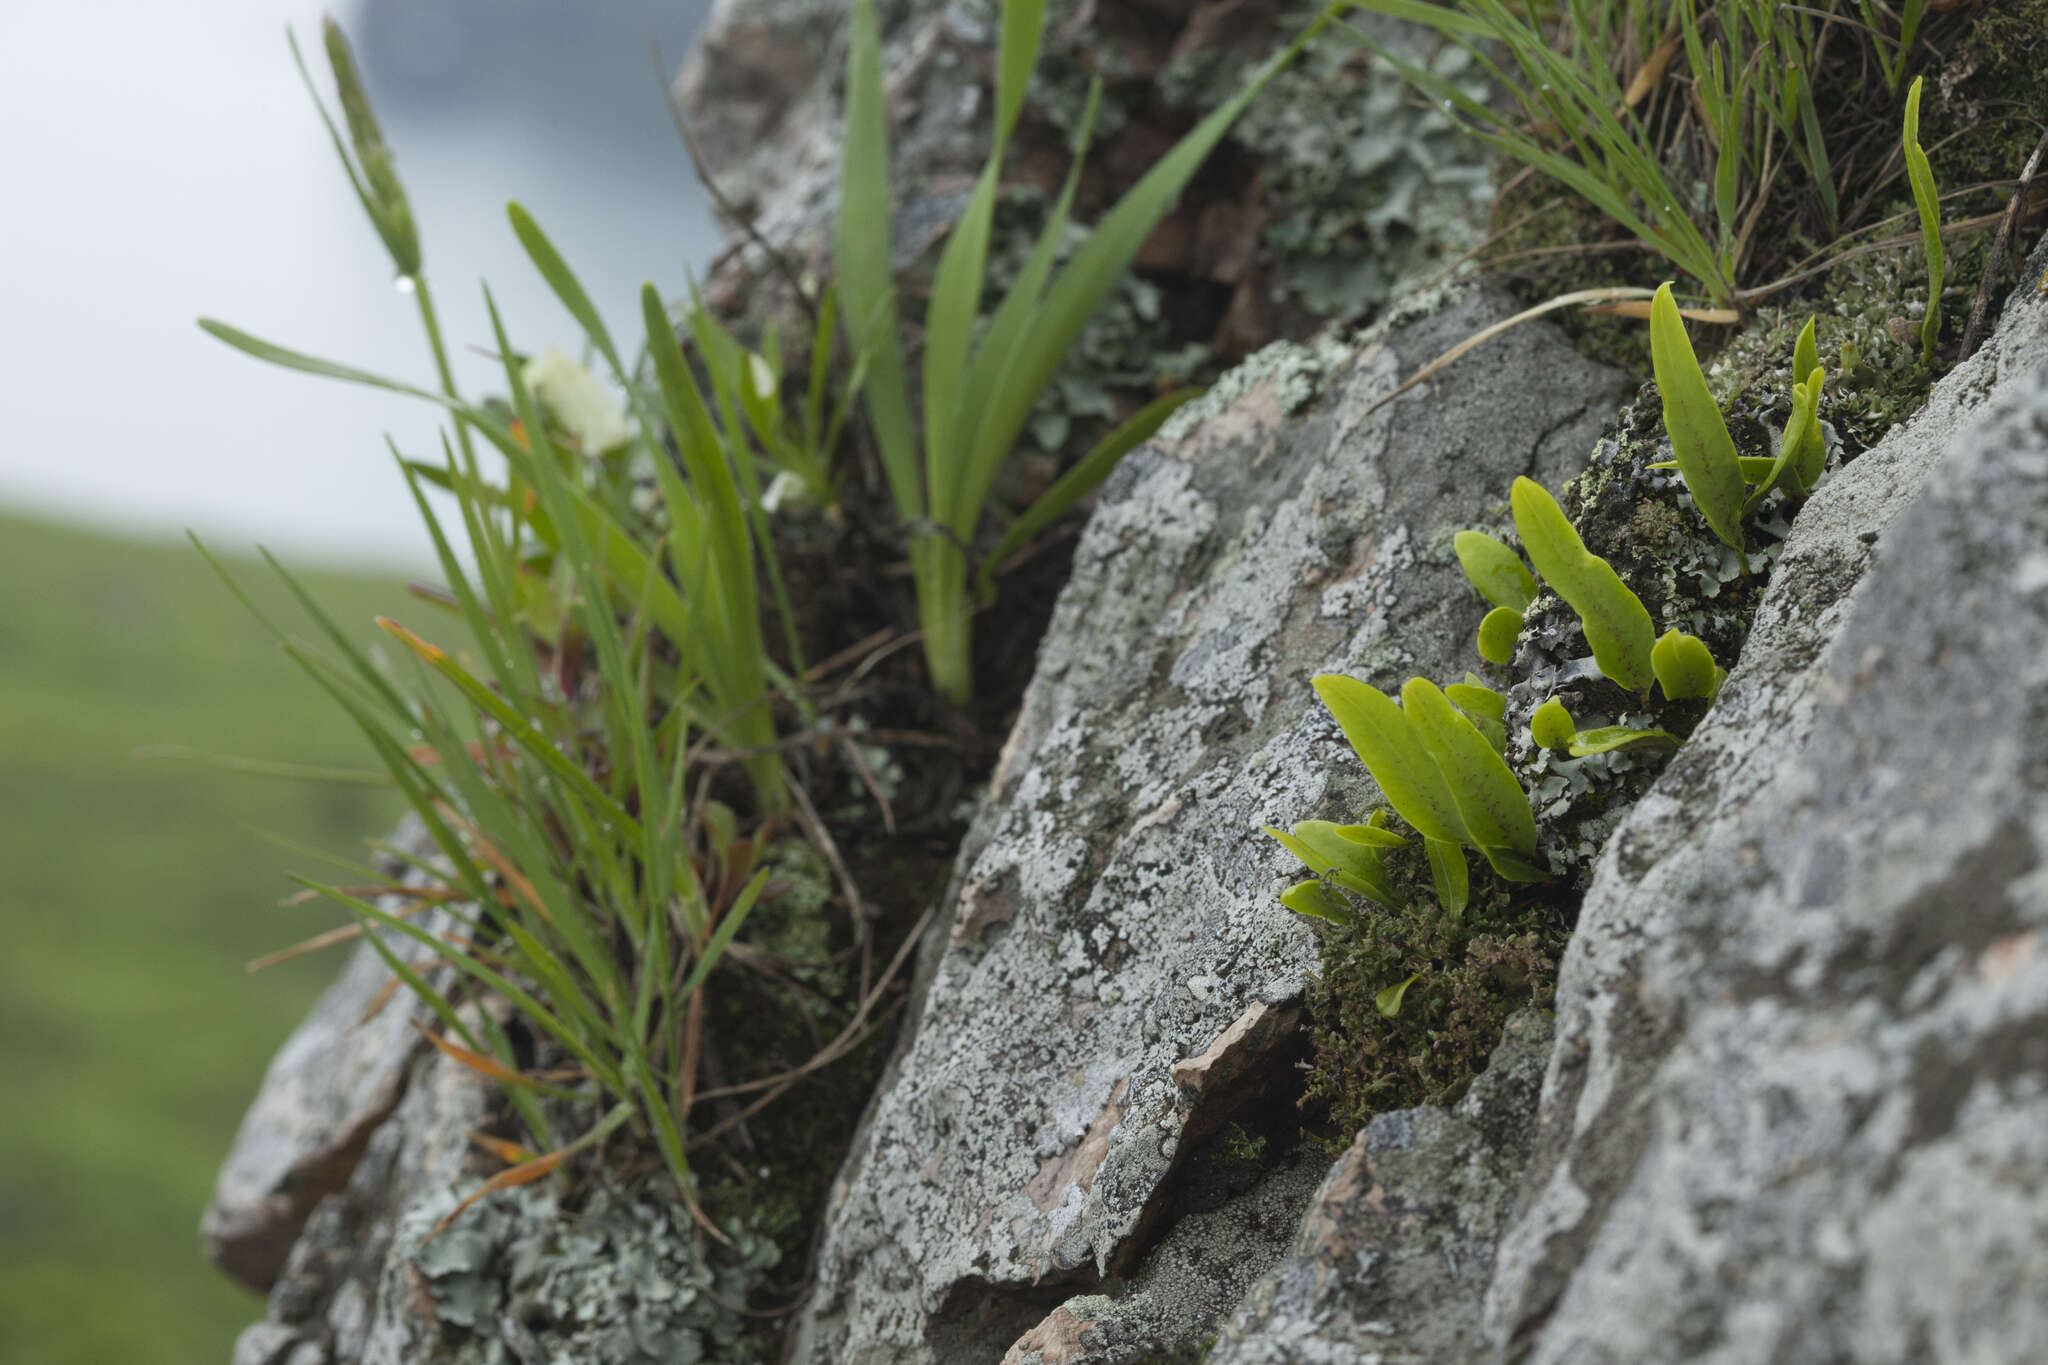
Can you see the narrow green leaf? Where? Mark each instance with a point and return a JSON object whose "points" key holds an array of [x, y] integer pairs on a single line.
{"points": [[1077, 293], [1606, 738], [1474, 698], [1392, 751], [1495, 570], [1318, 902], [1927, 199], [1800, 448], [1491, 802], [1353, 864], [1805, 354], [1699, 437], [1449, 875], [1084, 478], [1373, 836], [862, 250], [1617, 625]]}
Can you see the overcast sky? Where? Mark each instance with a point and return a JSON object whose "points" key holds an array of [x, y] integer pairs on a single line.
{"points": [[161, 161]]}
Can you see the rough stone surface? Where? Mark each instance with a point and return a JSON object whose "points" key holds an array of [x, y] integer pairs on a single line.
{"points": [[1394, 1257], [1173, 1304], [1798, 1107], [333, 1082], [1333, 188], [1113, 913]]}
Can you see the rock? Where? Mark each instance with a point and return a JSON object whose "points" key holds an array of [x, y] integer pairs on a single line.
{"points": [[1798, 1107], [1393, 1260], [1334, 187], [334, 1081], [1114, 902], [1207, 1259]]}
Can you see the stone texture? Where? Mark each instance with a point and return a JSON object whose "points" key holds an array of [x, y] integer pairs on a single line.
{"points": [[1798, 1107], [1114, 913], [1333, 188], [1394, 1257], [332, 1083], [1173, 1304]]}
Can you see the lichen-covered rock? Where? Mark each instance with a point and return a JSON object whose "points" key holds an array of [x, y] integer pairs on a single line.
{"points": [[518, 1279], [338, 1077], [1393, 1260], [1798, 1107], [1172, 1306], [1335, 187], [1113, 914]]}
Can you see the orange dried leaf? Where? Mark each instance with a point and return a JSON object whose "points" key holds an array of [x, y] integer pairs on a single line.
{"points": [[511, 1153], [378, 1001], [1650, 72], [475, 1061], [433, 654]]}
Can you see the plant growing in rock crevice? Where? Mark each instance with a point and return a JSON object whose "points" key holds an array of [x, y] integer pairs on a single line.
{"points": [[1410, 976], [978, 393]]}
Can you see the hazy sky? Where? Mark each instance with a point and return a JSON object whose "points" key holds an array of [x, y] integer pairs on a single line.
{"points": [[161, 161]]}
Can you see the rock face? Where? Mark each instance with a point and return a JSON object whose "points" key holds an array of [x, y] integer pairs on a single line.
{"points": [[1394, 1257], [1798, 1107], [1332, 188], [1114, 911], [336, 1079]]}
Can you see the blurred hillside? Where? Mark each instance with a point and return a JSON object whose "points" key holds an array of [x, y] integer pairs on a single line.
{"points": [[130, 898]]}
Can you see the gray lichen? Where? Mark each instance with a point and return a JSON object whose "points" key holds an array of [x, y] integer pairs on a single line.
{"points": [[516, 1281]]}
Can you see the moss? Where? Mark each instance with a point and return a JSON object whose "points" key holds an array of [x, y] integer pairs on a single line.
{"points": [[1988, 93], [1474, 972]]}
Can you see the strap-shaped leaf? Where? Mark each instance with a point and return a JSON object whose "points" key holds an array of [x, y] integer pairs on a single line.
{"points": [[1476, 699], [1355, 864], [1490, 801], [867, 283], [1927, 199], [1318, 902], [1449, 875], [1616, 623], [1607, 738], [1385, 741], [1496, 570], [1699, 437], [1805, 353]]}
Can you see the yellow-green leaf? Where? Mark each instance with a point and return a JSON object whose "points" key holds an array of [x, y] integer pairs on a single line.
{"points": [[1388, 1001], [1497, 635], [1552, 726], [1491, 802], [1616, 623], [1392, 751], [1496, 570], [1699, 437], [1684, 666]]}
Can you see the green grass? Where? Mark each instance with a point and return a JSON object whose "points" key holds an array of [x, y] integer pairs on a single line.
{"points": [[131, 1039]]}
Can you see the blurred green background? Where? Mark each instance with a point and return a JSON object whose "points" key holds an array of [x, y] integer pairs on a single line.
{"points": [[131, 1038]]}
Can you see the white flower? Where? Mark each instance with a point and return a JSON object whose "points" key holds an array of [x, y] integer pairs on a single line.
{"points": [[580, 402]]}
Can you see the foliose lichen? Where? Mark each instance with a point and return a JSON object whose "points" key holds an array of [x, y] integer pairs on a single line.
{"points": [[626, 1278]]}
